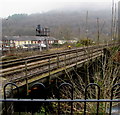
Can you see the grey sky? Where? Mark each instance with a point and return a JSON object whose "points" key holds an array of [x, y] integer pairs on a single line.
{"points": [[10, 7]]}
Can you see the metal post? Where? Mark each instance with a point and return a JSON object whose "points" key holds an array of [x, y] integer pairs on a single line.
{"points": [[69, 60], [71, 91], [26, 77], [49, 71], [46, 42], [5, 97], [92, 84], [76, 57], [57, 60], [65, 60], [98, 39], [38, 85], [40, 47], [113, 88]]}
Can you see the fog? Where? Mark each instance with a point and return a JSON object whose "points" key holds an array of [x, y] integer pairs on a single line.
{"points": [[10, 7], [95, 6]]}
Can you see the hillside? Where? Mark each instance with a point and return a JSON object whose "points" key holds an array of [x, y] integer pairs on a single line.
{"points": [[64, 24]]}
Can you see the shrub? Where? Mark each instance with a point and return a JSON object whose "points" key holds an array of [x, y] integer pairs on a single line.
{"points": [[86, 42], [78, 44]]}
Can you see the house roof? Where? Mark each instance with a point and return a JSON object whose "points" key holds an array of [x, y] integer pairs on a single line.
{"points": [[28, 38]]}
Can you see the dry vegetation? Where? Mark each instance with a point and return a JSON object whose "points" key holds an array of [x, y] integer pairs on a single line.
{"points": [[106, 77]]}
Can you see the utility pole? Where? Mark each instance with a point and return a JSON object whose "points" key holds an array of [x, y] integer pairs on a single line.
{"points": [[98, 40], [119, 21], [40, 47], [46, 43], [87, 25], [112, 19], [79, 32], [115, 24]]}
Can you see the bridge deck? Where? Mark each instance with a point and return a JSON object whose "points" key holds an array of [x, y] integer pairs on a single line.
{"points": [[48, 65]]}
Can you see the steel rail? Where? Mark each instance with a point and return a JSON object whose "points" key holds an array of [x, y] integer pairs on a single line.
{"points": [[42, 64], [29, 76], [65, 59], [11, 63]]}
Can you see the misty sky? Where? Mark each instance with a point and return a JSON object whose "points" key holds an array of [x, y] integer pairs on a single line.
{"points": [[10, 7]]}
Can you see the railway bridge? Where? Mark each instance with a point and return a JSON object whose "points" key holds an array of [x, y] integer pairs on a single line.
{"points": [[54, 71], [46, 68]]}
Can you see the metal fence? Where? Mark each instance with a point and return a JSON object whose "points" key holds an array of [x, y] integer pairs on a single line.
{"points": [[9, 103]]}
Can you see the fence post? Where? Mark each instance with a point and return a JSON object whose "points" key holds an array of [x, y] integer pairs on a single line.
{"points": [[4, 90], [57, 60], [65, 60], [112, 96], [49, 71], [91, 84], [76, 57], [71, 86], [45, 95], [26, 77]]}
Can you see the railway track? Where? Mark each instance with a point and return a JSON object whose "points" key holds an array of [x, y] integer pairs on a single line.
{"points": [[16, 62], [21, 69]]}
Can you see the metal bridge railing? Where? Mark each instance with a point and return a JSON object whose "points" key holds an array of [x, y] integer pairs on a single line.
{"points": [[9, 103]]}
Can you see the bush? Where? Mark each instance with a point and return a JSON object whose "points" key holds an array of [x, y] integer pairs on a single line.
{"points": [[86, 42], [56, 45], [78, 44]]}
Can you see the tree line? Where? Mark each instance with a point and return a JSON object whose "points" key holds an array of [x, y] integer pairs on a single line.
{"points": [[62, 24]]}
